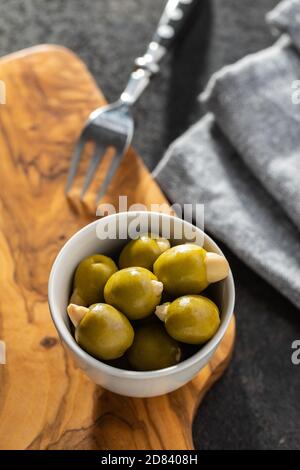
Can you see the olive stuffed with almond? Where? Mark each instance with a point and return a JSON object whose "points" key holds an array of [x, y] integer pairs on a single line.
{"points": [[192, 319], [91, 275], [189, 269], [101, 330], [134, 291]]}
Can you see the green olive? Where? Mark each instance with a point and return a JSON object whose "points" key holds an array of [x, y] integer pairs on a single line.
{"points": [[191, 319], [189, 269], [90, 278], [142, 252], [104, 332], [181, 269], [134, 291], [153, 349]]}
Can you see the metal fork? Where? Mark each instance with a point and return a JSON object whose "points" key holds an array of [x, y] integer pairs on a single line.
{"points": [[113, 125]]}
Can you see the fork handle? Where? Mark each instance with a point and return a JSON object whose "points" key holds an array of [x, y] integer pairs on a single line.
{"points": [[170, 24]]}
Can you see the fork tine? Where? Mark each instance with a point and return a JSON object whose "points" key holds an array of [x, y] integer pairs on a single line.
{"points": [[97, 156], [112, 169], [74, 163]]}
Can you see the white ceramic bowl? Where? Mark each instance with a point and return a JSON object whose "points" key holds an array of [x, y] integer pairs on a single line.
{"points": [[131, 383]]}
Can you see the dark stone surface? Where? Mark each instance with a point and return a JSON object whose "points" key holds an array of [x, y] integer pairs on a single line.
{"points": [[256, 404]]}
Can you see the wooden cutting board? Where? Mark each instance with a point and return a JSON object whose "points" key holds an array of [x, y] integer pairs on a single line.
{"points": [[46, 402]]}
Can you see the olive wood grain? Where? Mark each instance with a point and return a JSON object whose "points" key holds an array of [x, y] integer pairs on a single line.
{"points": [[46, 402]]}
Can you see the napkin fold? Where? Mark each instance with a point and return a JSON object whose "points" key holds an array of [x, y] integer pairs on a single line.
{"points": [[285, 18], [242, 160]]}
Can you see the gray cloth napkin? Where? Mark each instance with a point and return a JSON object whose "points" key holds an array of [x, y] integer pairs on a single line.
{"points": [[242, 160]]}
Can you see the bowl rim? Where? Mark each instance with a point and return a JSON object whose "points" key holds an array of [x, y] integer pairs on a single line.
{"points": [[67, 337]]}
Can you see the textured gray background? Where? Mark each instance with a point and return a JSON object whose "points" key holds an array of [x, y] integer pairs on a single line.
{"points": [[256, 404]]}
